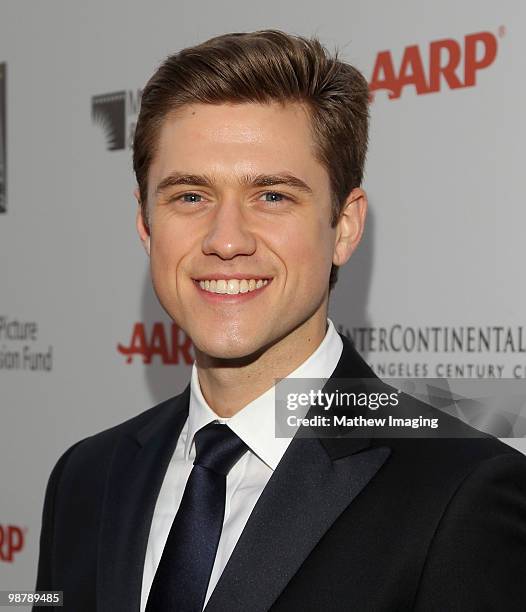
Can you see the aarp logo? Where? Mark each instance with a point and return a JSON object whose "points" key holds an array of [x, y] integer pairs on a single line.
{"points": [[12, 541], [443, 64], [168, 342]]}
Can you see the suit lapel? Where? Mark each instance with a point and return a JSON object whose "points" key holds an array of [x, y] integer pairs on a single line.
{"points": [[314, 483], [306, 494], [137, 471]]}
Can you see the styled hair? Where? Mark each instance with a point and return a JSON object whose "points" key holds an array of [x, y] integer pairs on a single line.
{"points": [[262, 67]]}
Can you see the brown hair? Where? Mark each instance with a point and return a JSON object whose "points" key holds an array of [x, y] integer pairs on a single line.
{"points": [[265, 66]]}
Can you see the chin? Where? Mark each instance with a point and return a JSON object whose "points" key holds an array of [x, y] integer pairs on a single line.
{"points": [[229, 348]]}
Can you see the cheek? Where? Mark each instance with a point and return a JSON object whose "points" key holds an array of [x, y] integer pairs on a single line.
{"points": [[306, 249], [166, 252]]}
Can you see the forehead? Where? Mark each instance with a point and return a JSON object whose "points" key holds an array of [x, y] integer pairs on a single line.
{"points": [[232, 139]]}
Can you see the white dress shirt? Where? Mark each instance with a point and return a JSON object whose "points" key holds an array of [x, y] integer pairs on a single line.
{"points": [[255, 425]]}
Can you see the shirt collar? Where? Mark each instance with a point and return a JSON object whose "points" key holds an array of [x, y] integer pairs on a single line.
{"points": [[255, 423]]}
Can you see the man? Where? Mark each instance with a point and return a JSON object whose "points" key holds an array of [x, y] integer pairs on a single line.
{"points": [[249, 154]]}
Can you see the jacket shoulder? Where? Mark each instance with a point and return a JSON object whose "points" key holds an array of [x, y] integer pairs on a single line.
{"points": [[96, 450]]}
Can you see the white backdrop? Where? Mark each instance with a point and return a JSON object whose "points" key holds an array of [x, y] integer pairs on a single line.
{"points": [[443, 248]]}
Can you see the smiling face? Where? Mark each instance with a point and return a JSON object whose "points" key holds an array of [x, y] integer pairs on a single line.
{"points": [[236, 196]]}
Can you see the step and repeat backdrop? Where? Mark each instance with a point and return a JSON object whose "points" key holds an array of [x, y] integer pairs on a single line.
{"points": [[435, 290]]}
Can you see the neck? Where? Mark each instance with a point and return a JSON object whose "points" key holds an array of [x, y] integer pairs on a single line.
{"points": [[228, 385]]}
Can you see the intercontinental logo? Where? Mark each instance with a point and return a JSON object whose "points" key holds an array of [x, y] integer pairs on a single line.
{"points": [[3, 140], [442, 351], [116, 114]]}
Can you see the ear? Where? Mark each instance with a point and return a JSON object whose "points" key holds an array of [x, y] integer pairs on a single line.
{"points": [[350, 226], [142, 229]]}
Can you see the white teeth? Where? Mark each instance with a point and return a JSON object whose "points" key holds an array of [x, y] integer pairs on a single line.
{"points": [[232, 286]]}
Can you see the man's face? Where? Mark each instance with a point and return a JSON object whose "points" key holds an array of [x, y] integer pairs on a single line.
{"points": [[220, 211]]}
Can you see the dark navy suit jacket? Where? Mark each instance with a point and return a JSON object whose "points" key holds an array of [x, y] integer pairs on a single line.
{"points": [[363, 524]]}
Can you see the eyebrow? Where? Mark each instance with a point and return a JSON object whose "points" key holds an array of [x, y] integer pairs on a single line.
{"points": [[247, 180]]}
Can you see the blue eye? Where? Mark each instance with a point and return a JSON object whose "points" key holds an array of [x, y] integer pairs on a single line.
{"points": [[191, 195], [274, 196]]}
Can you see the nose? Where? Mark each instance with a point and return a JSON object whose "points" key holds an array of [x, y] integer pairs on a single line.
{"points": [[228, 234]]}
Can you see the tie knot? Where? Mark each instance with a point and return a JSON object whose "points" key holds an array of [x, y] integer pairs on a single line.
{"points": [[217, 448]]}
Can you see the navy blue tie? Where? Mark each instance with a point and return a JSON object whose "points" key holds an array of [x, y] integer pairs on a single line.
{"points": [[183, 574]]}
